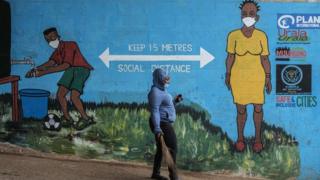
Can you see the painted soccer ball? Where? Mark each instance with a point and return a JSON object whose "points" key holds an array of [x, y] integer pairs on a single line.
{"points": [[52, 122]]}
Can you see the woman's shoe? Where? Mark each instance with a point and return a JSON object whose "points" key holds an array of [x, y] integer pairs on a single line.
{"points": [[257, 147], [240, 146]]}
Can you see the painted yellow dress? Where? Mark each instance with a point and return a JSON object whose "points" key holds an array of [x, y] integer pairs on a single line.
{"points": [[247, 73]]}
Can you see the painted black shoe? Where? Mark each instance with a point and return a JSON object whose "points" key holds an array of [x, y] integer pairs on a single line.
{"points": [[67, 123], [84, 123]]}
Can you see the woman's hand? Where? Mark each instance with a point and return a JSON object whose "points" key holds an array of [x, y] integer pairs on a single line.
{"points": [[159, 135], [268, 85], [178, 98]]}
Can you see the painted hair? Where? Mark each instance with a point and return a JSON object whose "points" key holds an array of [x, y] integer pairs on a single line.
{"points": [[249, 1], [49, 30]]}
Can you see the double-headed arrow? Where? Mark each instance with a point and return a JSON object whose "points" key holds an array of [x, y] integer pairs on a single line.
{"points": [[204, 57]]}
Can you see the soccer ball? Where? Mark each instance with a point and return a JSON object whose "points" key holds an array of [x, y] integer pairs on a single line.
{"points": [[52, 122]]}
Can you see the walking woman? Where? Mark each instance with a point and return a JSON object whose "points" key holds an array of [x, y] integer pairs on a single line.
{"points": [[163, 115]]}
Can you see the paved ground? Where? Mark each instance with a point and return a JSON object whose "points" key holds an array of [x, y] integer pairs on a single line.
{"points": [[24, 164]]}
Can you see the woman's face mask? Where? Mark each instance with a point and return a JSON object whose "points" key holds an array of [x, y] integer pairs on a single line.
{"points": [[166, 81], [249, 21], [54, 44]]}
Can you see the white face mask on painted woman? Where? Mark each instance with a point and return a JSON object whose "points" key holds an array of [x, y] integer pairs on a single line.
{"points": [[54, 44], [249, 21]]}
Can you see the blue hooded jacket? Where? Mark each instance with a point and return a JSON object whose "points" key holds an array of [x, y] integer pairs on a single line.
{"points": [[160, 101]]}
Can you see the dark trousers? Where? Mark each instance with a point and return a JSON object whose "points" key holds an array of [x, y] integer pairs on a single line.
{"points": [[170, 139]]}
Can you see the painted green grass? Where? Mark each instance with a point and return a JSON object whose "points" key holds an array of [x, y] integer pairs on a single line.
{"points": [[122, 133]]}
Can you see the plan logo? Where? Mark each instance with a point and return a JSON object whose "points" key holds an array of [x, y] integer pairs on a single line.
{"points": [[293, 79], [290, 53], [285, 21], [298, 21]]}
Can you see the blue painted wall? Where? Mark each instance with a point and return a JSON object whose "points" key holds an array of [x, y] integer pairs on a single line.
{"points": [[100, 24]]}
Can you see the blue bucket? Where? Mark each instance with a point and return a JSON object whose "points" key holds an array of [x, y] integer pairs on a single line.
{"points": [[34, 103]]}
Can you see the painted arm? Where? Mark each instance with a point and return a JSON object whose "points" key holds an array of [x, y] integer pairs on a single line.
{"points": [[42, 67], [266, 66], [45, 65], [229, 63], [53, 69]]}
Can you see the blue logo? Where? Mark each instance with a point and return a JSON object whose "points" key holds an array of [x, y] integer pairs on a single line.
{"points": [[291, 75], [299, 21]]}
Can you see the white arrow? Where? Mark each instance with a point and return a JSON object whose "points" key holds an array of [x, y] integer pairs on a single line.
{"points": [[204, 57]]}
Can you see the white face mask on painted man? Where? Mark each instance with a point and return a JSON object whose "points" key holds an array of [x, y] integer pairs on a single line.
{"points": [[54, 44], [249, 21]]}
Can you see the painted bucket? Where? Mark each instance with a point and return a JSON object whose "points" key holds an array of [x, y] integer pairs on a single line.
{"points": [[34, 103]]}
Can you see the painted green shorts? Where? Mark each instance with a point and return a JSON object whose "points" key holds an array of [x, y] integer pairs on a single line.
{"points": [[74, 78]]}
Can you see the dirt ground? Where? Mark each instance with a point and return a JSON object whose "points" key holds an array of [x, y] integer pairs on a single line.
{"points": [[18, 163]]}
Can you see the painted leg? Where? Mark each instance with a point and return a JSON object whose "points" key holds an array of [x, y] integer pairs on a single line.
{"points": [[241, 121], [61, 96], [257, 117], [75, 98]]}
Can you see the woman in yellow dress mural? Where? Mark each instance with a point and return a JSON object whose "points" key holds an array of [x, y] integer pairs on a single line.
{"points": [[248, 71]]}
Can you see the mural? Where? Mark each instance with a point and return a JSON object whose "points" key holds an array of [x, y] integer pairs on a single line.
{"points": [[248, 71], [68, 58], [122, 133], [125, 42]]}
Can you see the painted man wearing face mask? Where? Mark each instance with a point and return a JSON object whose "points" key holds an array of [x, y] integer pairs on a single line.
{"points": [[68, 58], [248, 72]]}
